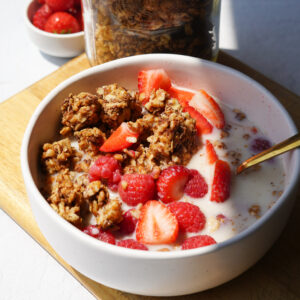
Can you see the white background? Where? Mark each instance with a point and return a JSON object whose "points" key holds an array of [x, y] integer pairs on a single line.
{"points": [[265, 34]]}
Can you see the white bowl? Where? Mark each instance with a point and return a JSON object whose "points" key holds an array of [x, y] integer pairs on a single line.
{"points": [[60, 45], [162, 273]]}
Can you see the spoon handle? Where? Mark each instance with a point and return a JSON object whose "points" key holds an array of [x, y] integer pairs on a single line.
{"points": [[287, 145]]}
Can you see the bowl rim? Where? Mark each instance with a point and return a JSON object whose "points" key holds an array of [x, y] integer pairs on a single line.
{"points": [[45, 33], [130, 253]]}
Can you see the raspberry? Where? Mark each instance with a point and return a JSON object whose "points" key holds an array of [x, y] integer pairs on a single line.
{"points": [[108, 169], [91, 230], [136, 188], [171, 183], [128, 223], [259, 145], [104, 236], [131, 244], [107, 237], [196, 187], [197, 242], [189, 216]]}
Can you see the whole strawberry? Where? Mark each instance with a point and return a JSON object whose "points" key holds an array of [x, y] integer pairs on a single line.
{"points": [[41, 16], [62, 22], [60, 5]]}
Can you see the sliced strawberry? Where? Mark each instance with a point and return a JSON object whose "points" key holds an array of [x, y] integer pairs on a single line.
{"points": [[221, 182], [171, 183], [152, 80], [212, 156], [183, 96], [121, 138], [157, 225], [202, 125], [209, 108]]}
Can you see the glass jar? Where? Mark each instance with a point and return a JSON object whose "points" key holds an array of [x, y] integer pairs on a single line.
{"points": [[120, 28]]}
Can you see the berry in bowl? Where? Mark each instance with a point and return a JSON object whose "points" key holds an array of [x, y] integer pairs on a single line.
{"points": [[56, 26], [146, 162]]}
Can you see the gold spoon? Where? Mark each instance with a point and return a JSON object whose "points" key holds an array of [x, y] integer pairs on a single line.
{"points": [[287, 145]]}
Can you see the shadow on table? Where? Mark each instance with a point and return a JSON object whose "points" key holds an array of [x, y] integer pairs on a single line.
{"points": [[58, 61]]}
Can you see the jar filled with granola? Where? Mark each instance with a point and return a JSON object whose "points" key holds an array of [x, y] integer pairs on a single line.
{"points": [[120, 28]]}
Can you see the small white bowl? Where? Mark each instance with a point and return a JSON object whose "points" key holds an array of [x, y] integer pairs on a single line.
{"points": [[150, 272], [60, 45]]}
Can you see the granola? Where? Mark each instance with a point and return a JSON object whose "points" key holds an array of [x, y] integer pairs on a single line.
{"points": [[118, 105], [125, 28], [167, 136], [79, 111]]}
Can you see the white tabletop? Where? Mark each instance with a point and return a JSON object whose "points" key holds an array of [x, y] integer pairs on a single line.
{"points": [[262, 33]]}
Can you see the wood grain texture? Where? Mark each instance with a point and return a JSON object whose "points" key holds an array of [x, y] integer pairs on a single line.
{"points": [[275, 276]]}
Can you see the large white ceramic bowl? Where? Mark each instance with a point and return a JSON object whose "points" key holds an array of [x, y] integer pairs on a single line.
{"points": [[60, 45], [162, 273]]}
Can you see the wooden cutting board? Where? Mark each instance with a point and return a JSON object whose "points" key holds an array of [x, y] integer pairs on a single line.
{"points": [[275, 276]]}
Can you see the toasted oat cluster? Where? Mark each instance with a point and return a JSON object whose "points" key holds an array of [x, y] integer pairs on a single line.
{"points": [[166, 136]]}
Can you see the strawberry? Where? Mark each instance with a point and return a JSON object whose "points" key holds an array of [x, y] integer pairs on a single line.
{"points": [[202, 125], [60, 5], [77, 13], [197, 242], [209, 108], [41, 16], [62, 22], [131, 244], [183, 96], [157, 225], [171, 183], [196, 187], [212, 156], [121, 138], [152, 80], [221, 182], [136, 188], [189, 216]]}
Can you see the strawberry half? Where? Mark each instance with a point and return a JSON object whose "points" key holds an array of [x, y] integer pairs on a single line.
{"points": [[209, 108], [221, 182], [183, 96], [202, 125], [212, 156], [157, 225], [121, 138], [152, 80], [171, 183]]}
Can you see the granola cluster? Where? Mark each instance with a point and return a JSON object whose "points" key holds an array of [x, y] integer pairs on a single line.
{"points": [[126, 28], [167, 136]]}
